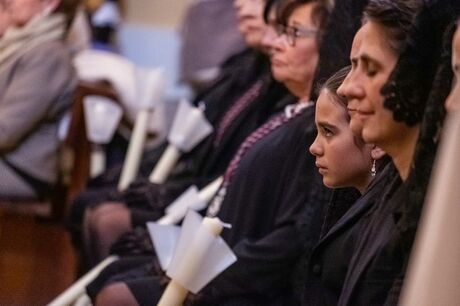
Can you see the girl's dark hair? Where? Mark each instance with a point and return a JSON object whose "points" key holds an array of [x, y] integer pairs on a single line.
{"points": [[332, 85]]}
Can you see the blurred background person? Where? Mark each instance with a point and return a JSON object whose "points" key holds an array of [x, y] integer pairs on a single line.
{"points": [[37, 83]]}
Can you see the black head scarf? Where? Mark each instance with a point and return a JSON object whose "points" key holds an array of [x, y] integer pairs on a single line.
{"points": [[406, 93], [426, 105]]}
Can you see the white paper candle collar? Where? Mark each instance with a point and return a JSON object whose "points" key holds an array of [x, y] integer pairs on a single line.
{"points": [[102, 117], [199, 255], [190, 126]]}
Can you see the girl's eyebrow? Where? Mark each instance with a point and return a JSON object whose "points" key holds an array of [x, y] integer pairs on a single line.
{"points": [[325, 124]]}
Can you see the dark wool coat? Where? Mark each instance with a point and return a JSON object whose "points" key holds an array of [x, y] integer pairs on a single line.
{"points": [[274, 184], [330, 260]]}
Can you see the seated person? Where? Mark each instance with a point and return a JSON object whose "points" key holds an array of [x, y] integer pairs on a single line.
{"points": [[324, 269], [269, 186], [241, 99], [37, 84], [395, 94]]}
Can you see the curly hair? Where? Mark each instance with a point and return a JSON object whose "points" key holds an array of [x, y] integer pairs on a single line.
{"points": [[409, 85], [436, 21]]}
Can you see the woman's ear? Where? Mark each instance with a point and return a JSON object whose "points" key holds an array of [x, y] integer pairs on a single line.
{"points": [[377, 153]]}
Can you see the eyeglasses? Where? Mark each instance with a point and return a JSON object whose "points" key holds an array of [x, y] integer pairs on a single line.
{"points": [[292, 33]]}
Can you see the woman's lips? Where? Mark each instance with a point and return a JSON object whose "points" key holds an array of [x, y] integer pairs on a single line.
{"points": [[357, 112]]}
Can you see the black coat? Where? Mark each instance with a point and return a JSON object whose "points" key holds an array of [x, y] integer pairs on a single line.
{"points": [[275, 183], [376, 269], [208, 161], [330, 259]]}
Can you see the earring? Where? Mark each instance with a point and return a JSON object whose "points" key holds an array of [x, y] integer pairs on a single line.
{"points": [[373, 169]]}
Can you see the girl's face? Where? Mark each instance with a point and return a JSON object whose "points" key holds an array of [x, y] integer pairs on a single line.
{"points": [[372, 62], [250, 20], [342, 159], [453, 101], [294, 52]]}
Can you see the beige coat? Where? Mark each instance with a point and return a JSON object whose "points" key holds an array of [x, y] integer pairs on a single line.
{"points": [[35, 91]]}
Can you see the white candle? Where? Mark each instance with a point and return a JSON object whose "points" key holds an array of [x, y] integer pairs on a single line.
{"points": [[174, 295], [152, 88], [78, 288], [212, 225], [190, 264], [208, 192], [165, 165], [97, 163], [168, 219], [135, 149]]}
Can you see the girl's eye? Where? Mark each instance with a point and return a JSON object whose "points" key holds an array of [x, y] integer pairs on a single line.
{"points": [[327, 132]]}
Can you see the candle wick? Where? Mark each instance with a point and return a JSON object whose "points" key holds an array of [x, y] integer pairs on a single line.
{"points": [[227, 225]]}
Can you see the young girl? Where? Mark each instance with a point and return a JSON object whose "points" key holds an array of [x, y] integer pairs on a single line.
{"points": [[327, 265], [336, 140]]}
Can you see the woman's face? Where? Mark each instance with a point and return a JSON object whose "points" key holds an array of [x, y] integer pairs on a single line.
{"points": [[342, 159], [453, 101], [250, 20], [4, 19], [372, 61], [294, 59], [22, 11]]}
